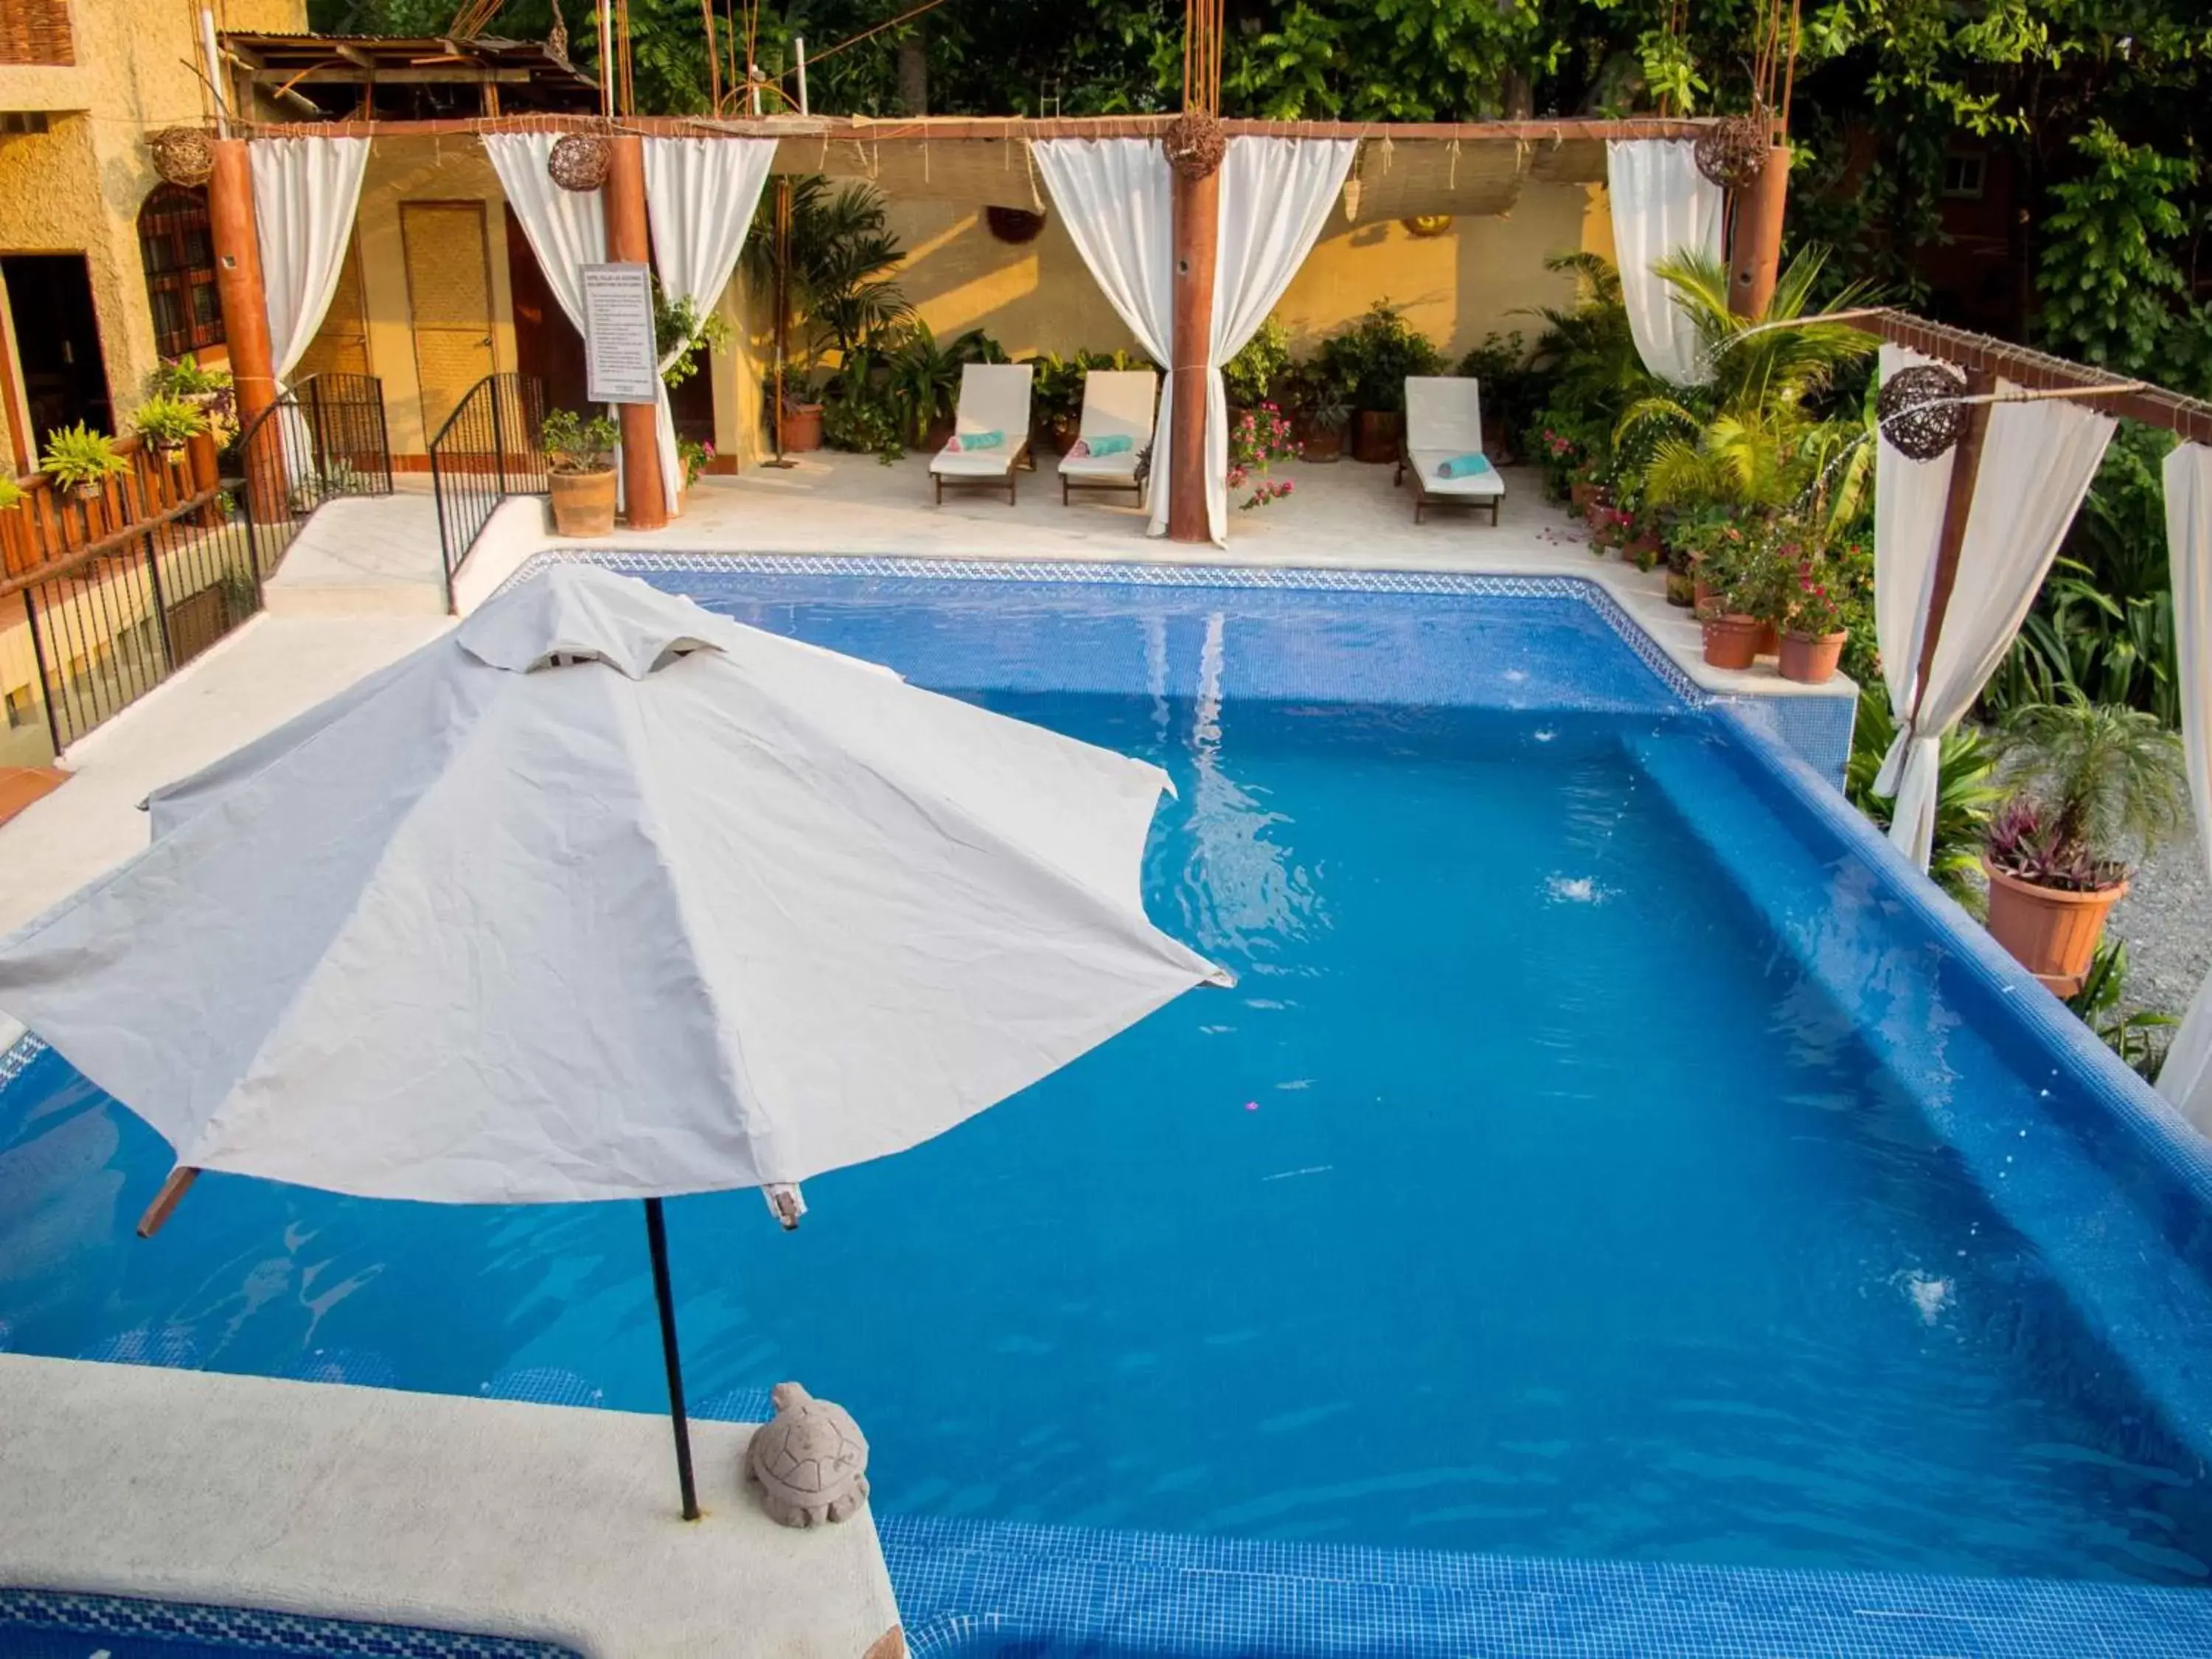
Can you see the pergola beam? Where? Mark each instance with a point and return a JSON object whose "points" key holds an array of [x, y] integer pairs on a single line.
{"points": [[2191, 418]]}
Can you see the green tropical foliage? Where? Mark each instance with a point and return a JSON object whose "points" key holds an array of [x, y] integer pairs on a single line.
{"points": [[2106, 781], [1966, 796], [2138, 1035]]}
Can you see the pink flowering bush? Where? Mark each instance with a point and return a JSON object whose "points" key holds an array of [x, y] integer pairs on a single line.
{"points": [[1257, 440]]}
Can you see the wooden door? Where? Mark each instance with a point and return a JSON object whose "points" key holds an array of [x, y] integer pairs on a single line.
{"points": [[546, 343], [341, 345], [449, 296]]}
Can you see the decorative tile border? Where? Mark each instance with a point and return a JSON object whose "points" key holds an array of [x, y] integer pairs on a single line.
{"points": [[1581, 589], [250, 1628], [21, 1052], [967, 1589]]}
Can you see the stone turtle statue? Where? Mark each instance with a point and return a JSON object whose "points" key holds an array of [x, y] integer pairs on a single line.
{"points": [[810, 1461]]}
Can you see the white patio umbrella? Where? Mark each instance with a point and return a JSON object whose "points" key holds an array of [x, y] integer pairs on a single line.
{"points": [[602, 896]]}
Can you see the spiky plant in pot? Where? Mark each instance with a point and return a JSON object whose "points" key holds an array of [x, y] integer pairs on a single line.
{"points": [[2090, 785]]}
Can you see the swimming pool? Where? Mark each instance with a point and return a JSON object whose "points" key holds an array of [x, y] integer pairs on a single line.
{"points": [[1604, 1155]]}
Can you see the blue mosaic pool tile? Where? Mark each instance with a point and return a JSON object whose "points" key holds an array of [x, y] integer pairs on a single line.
{"points": [[21, 1052], [543, 1385], [975, 1588], [249, 1629], [171, 1347], [1817, 729]]}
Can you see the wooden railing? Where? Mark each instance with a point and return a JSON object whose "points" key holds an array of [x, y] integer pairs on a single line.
{"points": [[53, 523]]}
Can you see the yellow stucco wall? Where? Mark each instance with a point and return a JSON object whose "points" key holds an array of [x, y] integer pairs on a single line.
{"points": [[1476, 279], [78, 188]]}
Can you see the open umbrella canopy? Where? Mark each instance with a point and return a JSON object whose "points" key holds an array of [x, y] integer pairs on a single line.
{"points": [[603, 895]]}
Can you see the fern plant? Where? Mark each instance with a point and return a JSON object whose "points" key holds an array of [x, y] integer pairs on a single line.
{"points": [[77, 458], [1965, 797], [169, 422]]}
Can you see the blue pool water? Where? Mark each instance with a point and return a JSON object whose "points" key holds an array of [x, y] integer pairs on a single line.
{"points": [[1595, 1158]]}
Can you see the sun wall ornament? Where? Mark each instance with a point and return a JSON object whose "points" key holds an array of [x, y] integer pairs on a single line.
{"points": [[1195, 143], [1732, 154], [1428, 224], [579, 161], [182, 155], [1919, 410]]}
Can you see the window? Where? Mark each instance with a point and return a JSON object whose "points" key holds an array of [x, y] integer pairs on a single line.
{"points": [[19, 121], [1963, 175], [179, 256]]}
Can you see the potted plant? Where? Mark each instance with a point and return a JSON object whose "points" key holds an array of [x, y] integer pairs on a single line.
{"points": [[2089, 783], [695, 457], [1056, 393], [579, 457], [81, 461], [1374, 357], [1320, 406], [169, 422], [11, 492], [1812, 626], [1500, 366], [208, 390], [1746, 580]]}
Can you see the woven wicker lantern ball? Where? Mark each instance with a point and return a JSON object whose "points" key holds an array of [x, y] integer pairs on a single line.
{"points": [[182, 155], [1919, 410], [1732, 154], [1013, 225], [1195, 143], [579, 161]]}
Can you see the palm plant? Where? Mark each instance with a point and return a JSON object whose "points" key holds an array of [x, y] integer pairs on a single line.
{"points": [[922, 382], [2091, 783], [1752, 438], [840, 252]]}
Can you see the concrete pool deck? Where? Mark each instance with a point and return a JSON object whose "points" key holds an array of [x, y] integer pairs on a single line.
{"points": [[492, 1517]]}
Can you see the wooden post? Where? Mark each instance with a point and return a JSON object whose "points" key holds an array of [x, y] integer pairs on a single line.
{"points": [[1756, 257], [1197, 231], [1958, 501], [237, 278], [629, 242]]}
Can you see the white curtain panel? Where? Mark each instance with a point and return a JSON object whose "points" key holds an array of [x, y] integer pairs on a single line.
{"points": [[1276, 194], [1117, 199], [305, 194], [2186, 1078], [2038, 460], [1908, 523], [567, 229], [700, 194], [1662, 206]]}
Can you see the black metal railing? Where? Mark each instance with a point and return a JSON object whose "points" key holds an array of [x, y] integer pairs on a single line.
{"points": [[486, 449], [116, 615], [322, 438]]}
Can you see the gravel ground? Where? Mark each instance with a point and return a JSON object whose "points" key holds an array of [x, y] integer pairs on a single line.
{"points": [[2167, 920]]}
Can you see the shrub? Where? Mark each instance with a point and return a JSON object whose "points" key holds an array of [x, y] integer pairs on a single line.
{"points": [[863, 423], [1374, 356], [1253, 376], [573, 444]]}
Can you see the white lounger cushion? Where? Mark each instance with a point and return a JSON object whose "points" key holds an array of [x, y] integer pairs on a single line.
{"points": [[993, 397], [1444, 422], [1117, 403], [1479, 486]]}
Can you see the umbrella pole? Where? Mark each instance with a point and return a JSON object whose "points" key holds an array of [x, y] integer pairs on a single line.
{"points": [[656, 1234]]}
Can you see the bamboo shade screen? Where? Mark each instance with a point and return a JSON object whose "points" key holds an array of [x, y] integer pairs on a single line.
{"points": [[35, 32]]}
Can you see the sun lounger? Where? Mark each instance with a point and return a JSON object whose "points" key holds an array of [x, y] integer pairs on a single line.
{"points": [[1116, 427], [1444, 446], [990, 429]]}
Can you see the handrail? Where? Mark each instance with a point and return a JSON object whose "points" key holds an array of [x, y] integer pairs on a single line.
{"points": [[485, 452], [322, 437]]}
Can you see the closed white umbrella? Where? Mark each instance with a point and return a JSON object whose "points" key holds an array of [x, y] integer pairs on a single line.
{"points": [[602, 896]]}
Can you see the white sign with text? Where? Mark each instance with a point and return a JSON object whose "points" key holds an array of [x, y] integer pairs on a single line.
{"points": [[622, 359]]}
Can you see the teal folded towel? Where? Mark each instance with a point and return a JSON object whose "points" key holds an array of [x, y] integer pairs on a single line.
{"points": [[968, 440], [1118, 443], [1464, 466]]}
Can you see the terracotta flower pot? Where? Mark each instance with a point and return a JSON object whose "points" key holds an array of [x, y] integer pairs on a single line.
{"points": [[1704, 598], [1375, 436], [1585, 495], [1770, 640], [1321, 443], [583, 502], [1812, 658], [802, 429], [2050, 933], [1732, 641]]}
